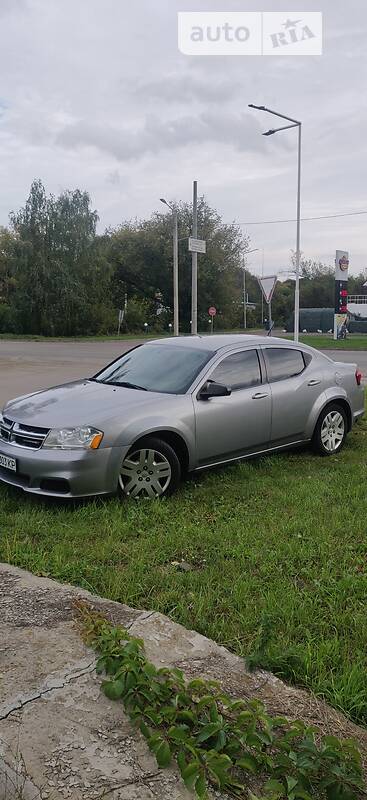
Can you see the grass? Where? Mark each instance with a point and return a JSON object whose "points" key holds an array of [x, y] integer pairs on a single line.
{"points": [[326, 342], [35, 338], [277, 548], [321, 342], [106, 338]]}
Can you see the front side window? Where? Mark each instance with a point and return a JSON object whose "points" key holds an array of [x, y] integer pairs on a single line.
{"points": [[239, 370], [283, 362], [156, 368]]}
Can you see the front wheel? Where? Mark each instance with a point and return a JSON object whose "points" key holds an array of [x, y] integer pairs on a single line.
{"points": [[151, 469], [330, 431]]}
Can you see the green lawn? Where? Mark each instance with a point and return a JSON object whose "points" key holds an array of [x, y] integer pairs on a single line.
{"points": [[326, 342], [277, 548], [35, 338], [322, 342]]}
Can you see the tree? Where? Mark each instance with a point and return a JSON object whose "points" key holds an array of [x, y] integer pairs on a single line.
{"points": [[59, 277], [8, 321], [140, 253], [60, 269]]}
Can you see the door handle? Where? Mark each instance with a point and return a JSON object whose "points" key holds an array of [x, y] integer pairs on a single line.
{"points": [[260, 395], [314, 382]]}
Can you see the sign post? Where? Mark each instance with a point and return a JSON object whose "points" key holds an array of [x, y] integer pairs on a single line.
{"points": [[212, 312], [195, 246], [121, 317], [267, 285], [341, 294], [194, 262]]}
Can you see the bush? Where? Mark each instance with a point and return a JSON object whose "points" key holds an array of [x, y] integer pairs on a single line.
{"points": [[9, 319], [138, 312]]}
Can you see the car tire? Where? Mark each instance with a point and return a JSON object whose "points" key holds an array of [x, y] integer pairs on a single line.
{"points": [[151, 469], [331, 430]]}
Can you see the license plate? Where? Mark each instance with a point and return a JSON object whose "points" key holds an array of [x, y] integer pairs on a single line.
{"points": [[8, 463]]}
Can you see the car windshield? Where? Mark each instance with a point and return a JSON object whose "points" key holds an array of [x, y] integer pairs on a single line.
{"points": [[156, 368]]}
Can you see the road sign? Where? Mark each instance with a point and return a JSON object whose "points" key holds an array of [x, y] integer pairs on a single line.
{"points": [[212, 311], [267, 286], [197, 245]]}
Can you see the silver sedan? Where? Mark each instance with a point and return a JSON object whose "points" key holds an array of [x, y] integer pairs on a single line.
{"points": [[172, 406]]}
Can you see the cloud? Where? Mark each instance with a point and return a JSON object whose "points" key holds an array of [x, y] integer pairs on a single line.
{"points": [[12, 6], [185, 87], [96, 95], [158, 135]]}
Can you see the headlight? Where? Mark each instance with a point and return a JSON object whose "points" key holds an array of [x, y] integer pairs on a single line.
{"points": [[80, 438]]}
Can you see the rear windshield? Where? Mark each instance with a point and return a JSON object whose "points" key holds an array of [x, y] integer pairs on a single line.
{"points": [[156, 368]]}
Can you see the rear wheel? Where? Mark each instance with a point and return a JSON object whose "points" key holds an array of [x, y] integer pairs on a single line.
{"points": [[151, 469], [330, 431]]}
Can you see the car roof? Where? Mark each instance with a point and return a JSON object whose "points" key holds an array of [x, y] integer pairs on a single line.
{"points": [[214, 342]]}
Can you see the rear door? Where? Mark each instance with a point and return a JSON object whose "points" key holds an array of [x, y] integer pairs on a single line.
{"points": [[227, 427], [296, 380]]}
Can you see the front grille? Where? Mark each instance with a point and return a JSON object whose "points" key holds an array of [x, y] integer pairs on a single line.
{"points": [[19, 435]]}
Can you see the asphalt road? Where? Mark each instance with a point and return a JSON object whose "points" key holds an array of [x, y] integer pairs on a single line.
{"points": [[26, 366]]}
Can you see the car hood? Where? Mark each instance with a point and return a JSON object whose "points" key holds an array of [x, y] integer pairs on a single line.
{"points": [[82, 402]]}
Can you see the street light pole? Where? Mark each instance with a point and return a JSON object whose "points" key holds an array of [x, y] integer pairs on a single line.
{"points": [[244, 296], [175, 267], [175, 274], [298, 254], [194, 268], [262, 296], [295, 123]]}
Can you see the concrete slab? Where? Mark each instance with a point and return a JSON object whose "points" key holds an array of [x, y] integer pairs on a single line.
{"points": [[60, 737]]}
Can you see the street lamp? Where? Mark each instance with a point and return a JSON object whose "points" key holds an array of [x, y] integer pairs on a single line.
{"points": [[175, 265], [295, 123], [254, 250]]}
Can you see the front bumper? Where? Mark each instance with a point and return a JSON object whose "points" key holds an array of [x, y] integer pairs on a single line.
{"points": [[64, 473]]}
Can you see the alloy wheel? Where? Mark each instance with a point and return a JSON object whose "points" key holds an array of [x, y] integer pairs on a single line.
{"points": [[145, 473], [332, 431]]}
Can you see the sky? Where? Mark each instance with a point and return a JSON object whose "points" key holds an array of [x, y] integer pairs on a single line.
{"points": [[94, 94]]}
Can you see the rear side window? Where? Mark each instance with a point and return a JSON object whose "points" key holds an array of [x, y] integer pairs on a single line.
{"points": [[239, 370], [283, 363]]}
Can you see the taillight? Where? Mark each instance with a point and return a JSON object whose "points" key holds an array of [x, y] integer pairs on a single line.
{"points": [[358, 377]]}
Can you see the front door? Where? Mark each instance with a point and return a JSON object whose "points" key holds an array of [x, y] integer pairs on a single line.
{"points": [[227, 427]]}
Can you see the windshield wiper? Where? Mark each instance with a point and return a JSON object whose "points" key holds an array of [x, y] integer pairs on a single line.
{"points": [[129, 385], [125, 384]]}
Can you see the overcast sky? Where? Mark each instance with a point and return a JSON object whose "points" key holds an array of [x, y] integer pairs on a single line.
{"points": [[95, 94]]}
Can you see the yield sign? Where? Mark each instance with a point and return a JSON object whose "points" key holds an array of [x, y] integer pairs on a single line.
{"points": [[267, 286]]}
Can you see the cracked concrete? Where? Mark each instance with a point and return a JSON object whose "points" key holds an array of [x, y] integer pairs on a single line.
{"points": [[58, 732], [60, 737], [48, 686]]}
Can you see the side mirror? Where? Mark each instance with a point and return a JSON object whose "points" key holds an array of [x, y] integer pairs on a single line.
{"points": [[213, 389]]}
